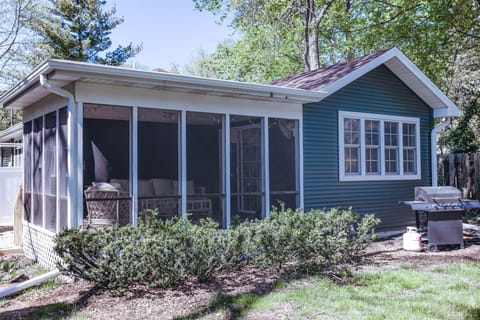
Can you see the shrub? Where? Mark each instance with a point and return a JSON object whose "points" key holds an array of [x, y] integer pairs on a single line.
{"points": [[161, 253], [330, 237]]}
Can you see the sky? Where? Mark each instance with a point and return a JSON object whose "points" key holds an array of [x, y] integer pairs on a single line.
{"points": [[171, 31]]}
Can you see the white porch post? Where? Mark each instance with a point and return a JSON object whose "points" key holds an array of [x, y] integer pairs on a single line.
{"points": [[78, 213], [299, 158], [134, 166], [57, 169], [183, 164], [44, 207], [227, 186], [266, 167]]}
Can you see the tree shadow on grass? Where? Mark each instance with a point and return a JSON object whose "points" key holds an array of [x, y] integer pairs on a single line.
{"points": [[233, 304], [53, 310]]}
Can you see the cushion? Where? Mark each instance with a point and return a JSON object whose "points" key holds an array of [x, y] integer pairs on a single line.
{"points": [[190, 187], [162, 187], [122, 182], [145, 188], [102, 186]]}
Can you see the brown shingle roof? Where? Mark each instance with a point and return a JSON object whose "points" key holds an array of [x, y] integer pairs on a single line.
{"points": [[320, 78]]}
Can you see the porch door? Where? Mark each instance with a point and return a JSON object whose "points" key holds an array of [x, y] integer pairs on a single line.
{"points": [[249, 169]]}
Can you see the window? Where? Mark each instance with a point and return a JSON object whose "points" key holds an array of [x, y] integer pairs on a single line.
{"points": [[378, 147]]}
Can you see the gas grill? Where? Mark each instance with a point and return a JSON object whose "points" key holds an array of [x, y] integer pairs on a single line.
{"points": [[442, 210]]}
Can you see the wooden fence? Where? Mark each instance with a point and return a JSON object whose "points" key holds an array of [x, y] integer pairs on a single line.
{"points": [[461, 171]]}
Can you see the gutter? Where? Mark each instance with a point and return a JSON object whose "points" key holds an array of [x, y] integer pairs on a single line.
{"points": [[71, 138], [433, 138], [17, 287]]}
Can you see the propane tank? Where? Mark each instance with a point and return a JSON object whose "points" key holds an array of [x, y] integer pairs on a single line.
{"points": [[412, 240]]}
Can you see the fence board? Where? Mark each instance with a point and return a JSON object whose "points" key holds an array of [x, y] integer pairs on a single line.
{"points": [[461, 171]]}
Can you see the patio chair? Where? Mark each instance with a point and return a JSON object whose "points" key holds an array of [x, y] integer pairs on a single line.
{"points": [[102, 212]]}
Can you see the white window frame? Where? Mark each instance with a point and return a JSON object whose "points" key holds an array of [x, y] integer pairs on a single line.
{"points": [[363, 175]]}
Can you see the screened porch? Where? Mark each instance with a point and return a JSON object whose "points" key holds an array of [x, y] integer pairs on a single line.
{"points": [[223, 166]]}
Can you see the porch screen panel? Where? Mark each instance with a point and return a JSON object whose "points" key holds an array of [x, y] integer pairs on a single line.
{"points": [[63, 174], [283, 162], [106, 152], [246, 167], [205, 191], [158, 161], [50, 172], [27, 171], [37, 171]]}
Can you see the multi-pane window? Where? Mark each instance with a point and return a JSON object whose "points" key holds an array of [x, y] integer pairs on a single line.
{"points": [[391, 147], [409, 148], [352, 146], [378, 147], [372, 146]]}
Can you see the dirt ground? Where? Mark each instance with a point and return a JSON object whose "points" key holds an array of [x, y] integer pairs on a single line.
{"points": [[192, 300]]}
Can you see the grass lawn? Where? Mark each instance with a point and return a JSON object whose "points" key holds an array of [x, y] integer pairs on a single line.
{"points": [[444, 292], [415, 286]]}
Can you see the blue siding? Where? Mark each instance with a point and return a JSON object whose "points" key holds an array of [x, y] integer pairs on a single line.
{"points": [[381, 92]]}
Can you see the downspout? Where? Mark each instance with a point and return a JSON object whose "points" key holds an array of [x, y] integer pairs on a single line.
{"points": [[71, 195], [433, 138], [17, 287]]}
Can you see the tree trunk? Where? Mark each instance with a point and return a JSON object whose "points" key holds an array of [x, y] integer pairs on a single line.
{"points": [[311, 57]]}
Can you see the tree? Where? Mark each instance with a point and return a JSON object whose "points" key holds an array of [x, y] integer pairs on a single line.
{"points": [[79, 30], [322, 32], [464, 137], [14, 42]]}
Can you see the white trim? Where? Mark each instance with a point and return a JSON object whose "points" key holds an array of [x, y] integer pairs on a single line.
{"points": [[43, 175], [65, 72], [183, 164], [57, 169], [78, 164], [266, 166], [226, 176], [134, 165], [177, 101], [382, 118], [415, 79], [299, 164]]}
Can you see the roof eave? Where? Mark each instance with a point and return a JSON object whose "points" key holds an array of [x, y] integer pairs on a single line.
{"points": [[226, 87], [445, 108]]}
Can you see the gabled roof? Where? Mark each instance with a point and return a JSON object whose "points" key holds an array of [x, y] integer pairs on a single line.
{"points": [[332, 78], [320, 78]]}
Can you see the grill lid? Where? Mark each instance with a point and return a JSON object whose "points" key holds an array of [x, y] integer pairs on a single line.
{"points": [[437, 194]]}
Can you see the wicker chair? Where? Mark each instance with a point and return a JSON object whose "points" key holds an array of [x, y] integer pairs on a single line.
{"points": [[102, 212]]}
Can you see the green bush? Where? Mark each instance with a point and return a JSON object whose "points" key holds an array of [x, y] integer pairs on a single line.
{"points": [[330, 237], [161, 253]]}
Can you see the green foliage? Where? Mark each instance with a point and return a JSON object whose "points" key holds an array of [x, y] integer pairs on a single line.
{"points": [[463, 138], [162, 253], [329, 237], [272, 34], [79, 30]]}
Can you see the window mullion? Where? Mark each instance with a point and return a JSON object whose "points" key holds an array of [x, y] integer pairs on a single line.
{"points": [[362, 160], [400, 148], [382, 148]]}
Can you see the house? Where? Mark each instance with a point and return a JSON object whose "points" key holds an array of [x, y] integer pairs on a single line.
{"points": [[11, 173], [357, 134], [11, 146]]}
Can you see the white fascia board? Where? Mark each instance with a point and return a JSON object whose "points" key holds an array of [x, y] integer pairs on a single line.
{"points": [[448, 107], [12, 132], [186, 82], [69, 71], [27, 82]]}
